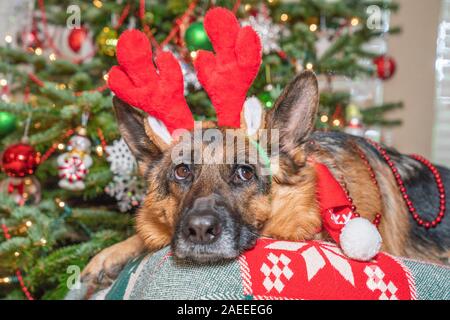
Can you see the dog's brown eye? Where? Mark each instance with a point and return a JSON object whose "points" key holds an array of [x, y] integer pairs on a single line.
{"points": [[245, 173], [182, 172]]}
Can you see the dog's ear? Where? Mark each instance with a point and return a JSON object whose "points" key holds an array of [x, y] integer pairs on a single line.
{"points": [[146, 137], [295, 111]]}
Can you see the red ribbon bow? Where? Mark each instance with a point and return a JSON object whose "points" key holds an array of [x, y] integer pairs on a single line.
{"points": [[19, 187]]}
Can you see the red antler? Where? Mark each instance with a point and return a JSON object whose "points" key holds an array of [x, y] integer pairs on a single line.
{"points": [[228, 75], [160, 92]]}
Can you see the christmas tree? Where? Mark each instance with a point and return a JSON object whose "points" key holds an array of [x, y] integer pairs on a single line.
{"points": [[69, 184]]}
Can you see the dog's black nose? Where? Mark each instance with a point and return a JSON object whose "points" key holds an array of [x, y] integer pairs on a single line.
{"points": [[202, 229]]}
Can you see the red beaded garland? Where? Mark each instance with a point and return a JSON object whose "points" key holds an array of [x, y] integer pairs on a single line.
{"points": [[363, 157], [415, 215], [52, 149], [18, 273], [373, 177]]}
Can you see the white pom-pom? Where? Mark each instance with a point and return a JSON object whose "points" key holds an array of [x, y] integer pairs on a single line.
{"points": [[360, 239]]}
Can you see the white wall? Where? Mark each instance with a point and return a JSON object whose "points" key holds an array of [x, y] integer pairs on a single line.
{"points": [[414, 84]]}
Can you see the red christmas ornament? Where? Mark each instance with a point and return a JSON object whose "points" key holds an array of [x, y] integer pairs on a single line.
{"points": [[20, 160], [76, 38], [386, 67], [32, 38]]}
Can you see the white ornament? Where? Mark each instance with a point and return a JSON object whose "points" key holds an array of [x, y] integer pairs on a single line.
{"points": [[79, 143], [73, 166], [189, 76], [360, 239], [268, 31], [129, 191], [325, 40], [120, 157], [322, 45], [126, 187]]}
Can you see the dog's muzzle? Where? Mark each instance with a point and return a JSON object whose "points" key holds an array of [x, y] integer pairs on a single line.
{"points": [[202, 227], [210, 230]]}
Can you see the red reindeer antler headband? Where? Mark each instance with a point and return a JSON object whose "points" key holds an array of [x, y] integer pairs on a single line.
{"points": [[159, 92], [226, 75]]}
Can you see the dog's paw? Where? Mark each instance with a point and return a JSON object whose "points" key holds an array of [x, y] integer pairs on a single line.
{"points": [[105, 267]]}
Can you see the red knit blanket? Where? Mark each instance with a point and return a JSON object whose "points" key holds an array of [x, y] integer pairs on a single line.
{"points": [[319, 270]]}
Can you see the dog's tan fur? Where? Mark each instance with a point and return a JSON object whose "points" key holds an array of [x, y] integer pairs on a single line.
{"points": [[295, 214], [155, 221]]}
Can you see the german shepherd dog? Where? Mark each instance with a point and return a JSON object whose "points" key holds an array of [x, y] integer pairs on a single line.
{"points": [[212, 210], [216, 211]]}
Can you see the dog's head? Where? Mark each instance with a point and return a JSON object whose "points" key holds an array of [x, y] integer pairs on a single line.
{"points": [[209, 190], [209, 185]]}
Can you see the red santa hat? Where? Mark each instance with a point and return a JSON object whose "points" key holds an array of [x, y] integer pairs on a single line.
{"points": [[357, 236]]}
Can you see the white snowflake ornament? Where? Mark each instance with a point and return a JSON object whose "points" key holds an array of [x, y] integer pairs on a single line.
{"points": [[120, 157], [129, 191], [189, 76], [325, 39], [268, 31], [126, 187]]}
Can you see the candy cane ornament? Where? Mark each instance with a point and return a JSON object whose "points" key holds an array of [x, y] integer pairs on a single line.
{"points": [[73, 166]]}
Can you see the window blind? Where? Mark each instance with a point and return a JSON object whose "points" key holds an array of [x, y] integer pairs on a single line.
{"points": [[441, 139]]}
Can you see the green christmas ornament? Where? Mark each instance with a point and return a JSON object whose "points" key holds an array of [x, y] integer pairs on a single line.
{"points": [[196, 37], [266, 99], [107, 41], [149, 17], [7, 123]]}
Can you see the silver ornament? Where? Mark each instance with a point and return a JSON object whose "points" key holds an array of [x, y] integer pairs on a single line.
{"points": [[268, 31], [127, 188]]}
